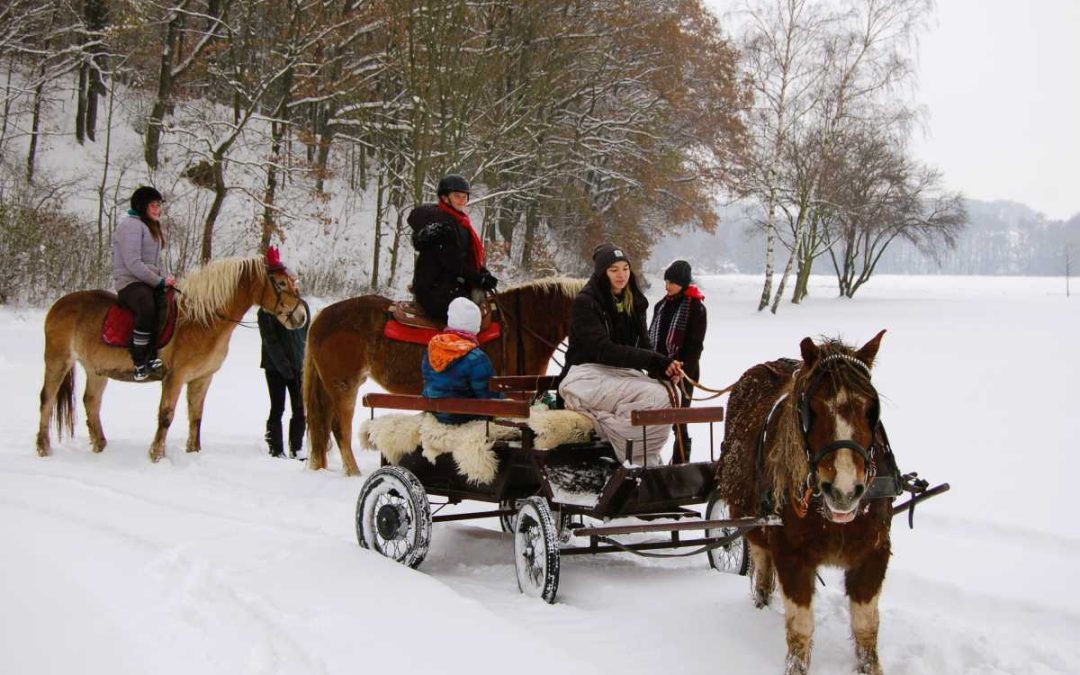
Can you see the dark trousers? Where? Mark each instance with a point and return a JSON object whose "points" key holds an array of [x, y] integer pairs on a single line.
{"points": [[145, 303], [277, 386], [141, 299], [681, 430]]}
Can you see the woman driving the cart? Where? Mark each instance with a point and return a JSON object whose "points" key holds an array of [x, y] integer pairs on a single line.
{"points": [[608, 349]]}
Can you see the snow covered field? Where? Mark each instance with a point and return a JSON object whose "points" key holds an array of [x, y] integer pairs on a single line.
{"points": [[232, 562]]}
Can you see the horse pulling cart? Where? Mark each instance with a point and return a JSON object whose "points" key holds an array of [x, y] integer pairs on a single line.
{"points": [[561, 500]]}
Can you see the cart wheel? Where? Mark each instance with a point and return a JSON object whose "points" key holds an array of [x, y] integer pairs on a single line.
{"points": [[536, 550], [393, 516], [734, 556], [506, 523]]}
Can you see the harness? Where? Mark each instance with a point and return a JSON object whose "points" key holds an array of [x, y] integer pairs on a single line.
{"points": [[879, 443]]}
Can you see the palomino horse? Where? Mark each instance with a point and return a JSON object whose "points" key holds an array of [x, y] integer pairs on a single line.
{"points": [[346, 345], [800, 442], [212, 302]]}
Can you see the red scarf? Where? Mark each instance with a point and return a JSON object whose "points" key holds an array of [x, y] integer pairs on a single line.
{"points": [[476, 250]]}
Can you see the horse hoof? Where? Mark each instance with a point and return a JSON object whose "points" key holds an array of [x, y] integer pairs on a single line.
{"points": [[43, 452]]}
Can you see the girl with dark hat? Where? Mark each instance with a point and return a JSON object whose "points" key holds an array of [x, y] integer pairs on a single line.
{"points": [[137, 277], [608, 350], [450, 263], [678, 331]]}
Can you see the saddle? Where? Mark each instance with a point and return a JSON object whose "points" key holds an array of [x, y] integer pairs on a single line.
{"points": [[406, 322], [119, 324]]}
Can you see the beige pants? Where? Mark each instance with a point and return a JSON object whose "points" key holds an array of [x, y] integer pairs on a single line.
{"points": [[608, 395]]}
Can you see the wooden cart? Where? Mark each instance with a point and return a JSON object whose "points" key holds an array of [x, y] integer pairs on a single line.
{"points": [[546, 497]]}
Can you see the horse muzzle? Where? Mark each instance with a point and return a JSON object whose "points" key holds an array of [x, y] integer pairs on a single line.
{"points": [[841, 506]]}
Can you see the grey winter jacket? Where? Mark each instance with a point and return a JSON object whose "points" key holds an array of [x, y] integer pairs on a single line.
{"points": [[136, 254]]}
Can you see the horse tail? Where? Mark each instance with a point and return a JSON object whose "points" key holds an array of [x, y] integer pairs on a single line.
{"points": [[317, 405], [65, 404]]}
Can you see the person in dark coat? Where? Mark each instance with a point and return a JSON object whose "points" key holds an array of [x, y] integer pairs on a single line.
{"points": [[607, 350], [283, 361], [137, 277], [450, 263], [453, 364], [678, 331]]}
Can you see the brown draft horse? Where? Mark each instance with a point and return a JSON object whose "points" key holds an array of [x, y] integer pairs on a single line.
{"points": [[346, 345], [799, 442], [211, 304]]}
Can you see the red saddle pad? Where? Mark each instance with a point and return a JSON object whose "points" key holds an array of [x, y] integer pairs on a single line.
{"points": [[421, 336], [119, 323]]}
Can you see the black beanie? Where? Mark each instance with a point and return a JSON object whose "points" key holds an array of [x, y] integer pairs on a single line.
{"points": [[606, 255], [142, 197], [678, 272]]}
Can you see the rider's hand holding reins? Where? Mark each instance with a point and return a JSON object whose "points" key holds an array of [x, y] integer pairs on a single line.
{"points": [[674, 372]]}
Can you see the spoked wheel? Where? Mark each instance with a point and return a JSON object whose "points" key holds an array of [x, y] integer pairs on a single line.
{"points": [[536, 550], [734, 556], [506, 522], [393, 516]]}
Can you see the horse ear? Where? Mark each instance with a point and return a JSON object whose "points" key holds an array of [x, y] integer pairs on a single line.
{"points": [[809, 352], [869, 350]]}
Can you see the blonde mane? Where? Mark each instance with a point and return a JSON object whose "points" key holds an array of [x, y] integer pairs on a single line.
{"points": [[207, 291], [566, 286], [786, 466]]}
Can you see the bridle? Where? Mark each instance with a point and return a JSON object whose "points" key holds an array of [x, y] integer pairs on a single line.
{"points": [[806, 419], [279, 293]]}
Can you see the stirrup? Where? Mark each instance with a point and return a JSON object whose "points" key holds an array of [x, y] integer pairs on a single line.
{"points": [[141, 373]]}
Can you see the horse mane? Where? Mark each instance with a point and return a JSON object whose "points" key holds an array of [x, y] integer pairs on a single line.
{"points": [[566, 286], [207, 291], [786, 466]]}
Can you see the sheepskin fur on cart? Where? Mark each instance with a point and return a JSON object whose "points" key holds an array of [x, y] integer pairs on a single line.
{"points": [[469, 444]]}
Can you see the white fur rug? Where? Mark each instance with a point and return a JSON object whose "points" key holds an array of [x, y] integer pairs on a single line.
{"points": [[397, 435]]}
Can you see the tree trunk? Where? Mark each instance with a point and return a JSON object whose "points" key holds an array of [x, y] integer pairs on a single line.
{"points": [[783, 281], [207, 252], [104, 180], [397, 244], [531, 224], [80, 105], [35, 126], [379, 191], [770, 254]]}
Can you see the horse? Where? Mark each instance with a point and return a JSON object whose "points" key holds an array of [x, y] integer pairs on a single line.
{"points": [[799, 442], [346, 345], [211, 304]]}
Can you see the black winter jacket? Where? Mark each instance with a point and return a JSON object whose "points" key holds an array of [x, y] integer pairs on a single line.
{"points": [[283, 349], [693, 342], [442, 270], [594, 337]]}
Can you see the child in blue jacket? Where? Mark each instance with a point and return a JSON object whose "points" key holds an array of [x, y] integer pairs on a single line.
{"points": [[453, 365]]}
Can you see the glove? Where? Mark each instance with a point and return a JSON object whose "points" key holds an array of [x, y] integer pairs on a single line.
{"points": [[487, 281]]}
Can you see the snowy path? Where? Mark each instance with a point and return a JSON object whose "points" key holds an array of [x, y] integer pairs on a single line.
{"points": [[231, 562]]}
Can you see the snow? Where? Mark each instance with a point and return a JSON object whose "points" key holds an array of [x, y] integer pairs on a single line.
{"points": [[232, 562]]}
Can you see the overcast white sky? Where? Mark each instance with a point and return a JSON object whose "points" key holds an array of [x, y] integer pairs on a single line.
{"points": [[1000, 82]]}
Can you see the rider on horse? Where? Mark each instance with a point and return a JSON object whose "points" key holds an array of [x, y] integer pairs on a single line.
{"points": [[136, 268], [451, 260]]}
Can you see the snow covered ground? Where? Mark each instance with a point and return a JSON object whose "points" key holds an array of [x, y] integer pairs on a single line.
{"points": [[232, 562]]}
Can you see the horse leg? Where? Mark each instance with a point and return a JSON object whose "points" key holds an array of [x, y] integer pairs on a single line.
{"points": [[763, 574], [196, 396], [170, 392], [58, 390], [863, 584], [342, 428], [95, 388], [797, 587]]}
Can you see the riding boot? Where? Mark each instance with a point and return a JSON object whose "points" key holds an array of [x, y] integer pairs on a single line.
{"points": [[140, 353], [297, 425], [273, 438]]}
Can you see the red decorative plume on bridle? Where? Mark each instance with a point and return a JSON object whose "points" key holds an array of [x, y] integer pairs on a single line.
{"points": [[273, 260]]}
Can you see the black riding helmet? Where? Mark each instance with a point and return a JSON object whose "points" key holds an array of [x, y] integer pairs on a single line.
{"points": [[453, 183], [142, 197]]}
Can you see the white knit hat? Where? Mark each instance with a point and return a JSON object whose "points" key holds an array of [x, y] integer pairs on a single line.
{"points": [[463, 315]]}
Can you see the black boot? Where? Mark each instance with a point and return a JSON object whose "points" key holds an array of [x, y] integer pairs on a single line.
{"points": [[297, 426], [140, 354], [273, 438]]}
